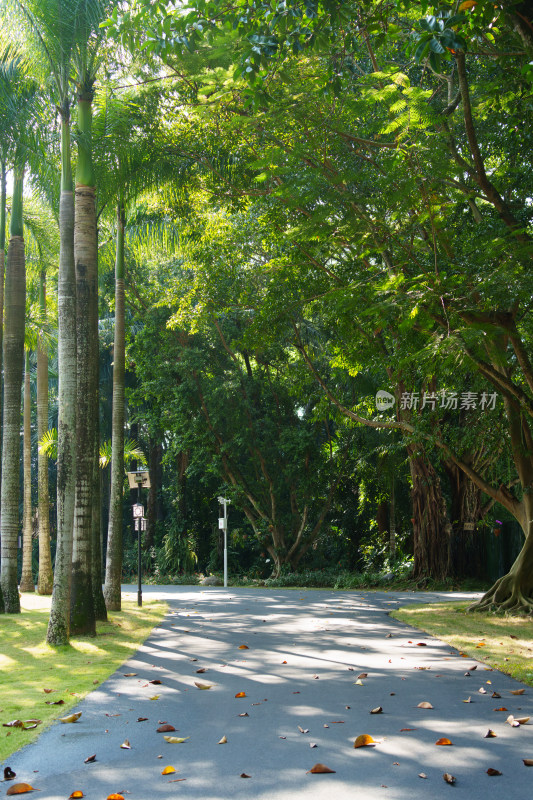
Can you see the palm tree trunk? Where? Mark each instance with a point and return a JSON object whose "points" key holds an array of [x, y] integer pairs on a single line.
{"points": [[100, 611], [86, 259], [59, 622], [2, 273], [26, 579], [114, 535], [45, 580], [15, 308]]}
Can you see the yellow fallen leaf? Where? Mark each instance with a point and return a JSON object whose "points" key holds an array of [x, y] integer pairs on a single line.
{"points": [[77, 793], [176, 739], [364, 740], [203, 685], [243, 647], [154, 697], [359, 682], [20, 788], [443, 741], [240, 694], [168, 771], [71, 717]]}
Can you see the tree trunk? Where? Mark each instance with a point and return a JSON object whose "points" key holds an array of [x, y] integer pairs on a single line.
{"points": [[152, 504], [513, 593], [112, 589], [2, 273], [465, 513], [59, 623], [26, 579], [392, 519], [100, 611], [15, 310], [431, 526], [45, 579]]}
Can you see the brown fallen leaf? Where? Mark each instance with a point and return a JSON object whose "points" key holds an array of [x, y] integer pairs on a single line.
{"points": [[424, 704], [421, 644], [422, 775], [363, 675], [490, 734], [130, 674], [364, 740], [320, 769], [244, 714], [377, 710], [155, 682], [303, 730], [20, 788], [223, 740], [512, 636], [388, 636], [522, 720], [517, 691], [528, 762], [493, 772], [49, 691], [113, 715], [125, 745], [502, 708], [90, 759], [407, 729], [244, 775], [9, 774], [201, 670], [71, 718], [240, 694], [243, 647], [443, 741], [168, 771], [115, 796], [54, 702], [448, 778], [337, 722], [166, 729], [15, 723], [142, 719]]}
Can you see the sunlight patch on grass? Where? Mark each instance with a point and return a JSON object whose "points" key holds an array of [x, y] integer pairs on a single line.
{"points": [[28, 665], [501, 642]]}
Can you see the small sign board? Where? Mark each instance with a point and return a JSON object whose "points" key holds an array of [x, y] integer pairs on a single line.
{"points": [[469, 526], [140, 479]]}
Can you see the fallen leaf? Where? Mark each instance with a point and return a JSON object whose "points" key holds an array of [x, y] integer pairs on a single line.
{"points": [[490, 734], [493, 772], [407, 729], [528, 762], [177, 780], [388, 636], [113, 715], [337, 722], [54, 702], [363, 675], [115, 796], [422, 775], [522, 720], [155, 697], [239, 694], [471, 669], [468, 701], [313, 744], [512, 721], [283, 662], [243, 647], [443, 741], [71, 718], [90, 759], [223, 740], [166, 729], [303, 730], [517, 691], [77, 793], [176, 739], [20, 788], [130, 674], [15, 723], [359, 682], [320, 769], [421, 644], [49, 691], [467, 674], [202, 669], [168, 771], [502, 708], [424, 704], [495, 696], [512, 636], [155, 682], [448, 778], [377, 710], [364, 740], [126, 745], [142, 719], [244, 714], [203, 685], [244, 775], [482, 690]]}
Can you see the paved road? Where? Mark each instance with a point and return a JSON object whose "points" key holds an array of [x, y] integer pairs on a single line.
{"points": [[305, 650]]}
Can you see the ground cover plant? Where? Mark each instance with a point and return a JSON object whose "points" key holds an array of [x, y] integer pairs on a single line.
{"points": [[36, 675], [502, 642]]}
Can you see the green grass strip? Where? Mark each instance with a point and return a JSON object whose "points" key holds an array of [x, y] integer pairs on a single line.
{"points": [[28, 665], [501, 642]]}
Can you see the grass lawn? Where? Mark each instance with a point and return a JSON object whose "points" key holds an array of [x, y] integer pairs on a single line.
{"points": [[28, 665], [505, 643]]}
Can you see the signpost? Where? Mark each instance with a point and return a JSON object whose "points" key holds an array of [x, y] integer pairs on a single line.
{"points": [[223, 525], [139, 479]]}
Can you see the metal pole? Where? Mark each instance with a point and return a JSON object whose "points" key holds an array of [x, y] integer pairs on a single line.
{"points": [[225, 553], [139, 585]]}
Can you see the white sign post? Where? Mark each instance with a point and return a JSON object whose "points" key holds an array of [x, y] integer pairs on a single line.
{"points": [[223, 526]]}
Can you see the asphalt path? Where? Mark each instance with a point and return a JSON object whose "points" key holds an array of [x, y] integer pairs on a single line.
{"points": [[297, 656]]}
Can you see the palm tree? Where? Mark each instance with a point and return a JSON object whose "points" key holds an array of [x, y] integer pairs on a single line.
{"points": [[26, 581], [45, 579]]}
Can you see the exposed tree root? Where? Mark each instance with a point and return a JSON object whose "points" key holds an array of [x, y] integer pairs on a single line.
{"points": [[507, 595]]}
